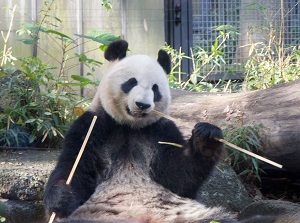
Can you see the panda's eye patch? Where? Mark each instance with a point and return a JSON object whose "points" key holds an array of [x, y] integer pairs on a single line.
{"points": [[128, 85], [157, 94]]}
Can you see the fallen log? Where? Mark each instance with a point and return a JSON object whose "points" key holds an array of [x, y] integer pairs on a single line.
{"points": [[277, 109]]}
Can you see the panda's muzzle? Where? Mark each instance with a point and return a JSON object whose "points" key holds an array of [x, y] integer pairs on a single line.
{"points": [[141, 110], [142, 106], [136, 113]]}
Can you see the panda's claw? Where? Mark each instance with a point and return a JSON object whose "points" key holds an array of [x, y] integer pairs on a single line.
{"points": [[203, 140]]}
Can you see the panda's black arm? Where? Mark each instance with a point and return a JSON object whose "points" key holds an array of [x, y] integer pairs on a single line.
{"points": [[62, 198], [183, 170]]}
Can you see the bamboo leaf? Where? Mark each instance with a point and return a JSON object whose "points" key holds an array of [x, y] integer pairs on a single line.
{"points": [[100, 37], [27, 41], [59, 34]]}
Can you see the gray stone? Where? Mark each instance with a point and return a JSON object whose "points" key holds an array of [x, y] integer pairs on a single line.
{"points": [[23, 174], [224, 189], [271, 211], [24, 211]]}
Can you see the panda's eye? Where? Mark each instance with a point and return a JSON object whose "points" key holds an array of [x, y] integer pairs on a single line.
{"points": [[157, 94], [128, 85]]}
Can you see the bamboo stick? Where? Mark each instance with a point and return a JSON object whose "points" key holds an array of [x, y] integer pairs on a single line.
{"points": [[77, 160], [224, 141]]}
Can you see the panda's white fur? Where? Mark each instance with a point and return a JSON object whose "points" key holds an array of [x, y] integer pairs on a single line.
{"points": [[147, 72]]}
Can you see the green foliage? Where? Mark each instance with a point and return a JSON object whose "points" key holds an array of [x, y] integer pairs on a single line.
{"points": [[107, 4], [272, 62], [38, 103], [268, 67], [245, 137], [41, 97], [66, 43], [204, 62]]}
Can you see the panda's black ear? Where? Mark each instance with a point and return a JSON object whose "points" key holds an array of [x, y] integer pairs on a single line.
{"points": [[116, 50], [164, 61]]}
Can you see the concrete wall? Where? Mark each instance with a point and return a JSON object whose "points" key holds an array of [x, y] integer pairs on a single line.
{"points": [[141, 23]]}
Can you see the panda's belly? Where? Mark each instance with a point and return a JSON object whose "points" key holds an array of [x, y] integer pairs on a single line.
{"points": [[141, 201], [130, 195]]}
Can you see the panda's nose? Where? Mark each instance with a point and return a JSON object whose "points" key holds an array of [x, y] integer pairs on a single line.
{"points": [[142, 105]]}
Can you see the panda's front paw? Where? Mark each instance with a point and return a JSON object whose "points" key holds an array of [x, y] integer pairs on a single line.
{"points": [[203, 140], [60, 199]]}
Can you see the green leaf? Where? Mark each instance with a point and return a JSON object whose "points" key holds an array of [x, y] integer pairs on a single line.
{"points": [[80, 78], [27, 41], [100, 37], [2, 74], [255, 163], [107, 4], [83, 80], [57, 19], [30, 120], [33, 27], [82, 57], [214, 47], [58, 33], [253, 134], [244, 172], [103, 47], [193, 78]]}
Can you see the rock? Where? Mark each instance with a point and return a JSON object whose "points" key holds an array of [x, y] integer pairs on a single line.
{"points": [[224, 188], [23, 174], [3, 209], [27, 188], [24, 212], [271, 211]]}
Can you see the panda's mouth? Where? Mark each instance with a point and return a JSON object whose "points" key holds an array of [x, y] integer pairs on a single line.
{"points": [[139, 113]]}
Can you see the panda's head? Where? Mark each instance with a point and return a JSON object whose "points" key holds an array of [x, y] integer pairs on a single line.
{"points": [[134, 86]]}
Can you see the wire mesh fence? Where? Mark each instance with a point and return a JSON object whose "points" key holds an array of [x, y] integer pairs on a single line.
{"points": [[142, 24], [254, 20]]}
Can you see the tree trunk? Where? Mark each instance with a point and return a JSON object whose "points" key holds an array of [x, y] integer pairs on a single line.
{"points": [[277, 109]]}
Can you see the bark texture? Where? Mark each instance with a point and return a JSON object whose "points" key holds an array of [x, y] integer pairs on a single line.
{"points": [[277, 109]]}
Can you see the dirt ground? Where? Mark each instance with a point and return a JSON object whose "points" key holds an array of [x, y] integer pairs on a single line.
{"points": [[18, 164]]}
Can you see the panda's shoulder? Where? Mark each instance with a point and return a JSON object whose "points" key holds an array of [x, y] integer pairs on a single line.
{"points": [[167, 129], [83, 122]]}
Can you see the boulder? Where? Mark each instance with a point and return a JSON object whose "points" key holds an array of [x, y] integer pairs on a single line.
{"points": [[271, 211], [225, 189], [23, 175], [19, 211]]}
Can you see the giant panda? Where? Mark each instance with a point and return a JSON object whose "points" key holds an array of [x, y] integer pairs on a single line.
{"points": [[125, 174]]}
